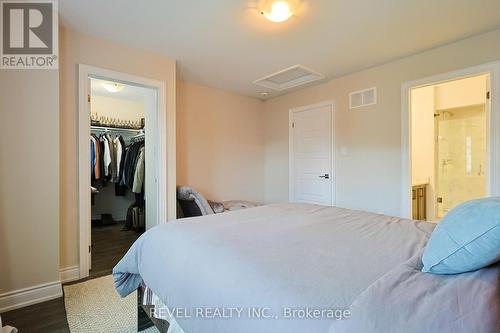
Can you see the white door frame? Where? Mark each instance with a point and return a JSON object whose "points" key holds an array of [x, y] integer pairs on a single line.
{"points": [[493, 155], [291, 160], [84, 206]]}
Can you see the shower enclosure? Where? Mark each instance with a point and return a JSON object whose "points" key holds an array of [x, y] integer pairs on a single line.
{"points": [[460, 156]]}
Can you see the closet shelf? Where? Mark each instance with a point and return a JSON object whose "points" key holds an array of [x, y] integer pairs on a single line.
{"points": [[115, 129]]}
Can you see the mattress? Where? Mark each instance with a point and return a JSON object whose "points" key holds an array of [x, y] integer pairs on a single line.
{"points": [[268, 260]]}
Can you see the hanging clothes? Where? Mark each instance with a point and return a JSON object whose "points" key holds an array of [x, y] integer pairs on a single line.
{"points": [[130, 163], [122, 158], [117, 158], [120, 189], [113, 168], [92, 156], [113, 161], [137, 187], [118, 155], [97, 166], [95, 157], [106, 155], [101, 157]]}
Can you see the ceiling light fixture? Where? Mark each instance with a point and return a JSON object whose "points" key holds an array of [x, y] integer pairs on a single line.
{"points": [[113, 87], [278, 10]]}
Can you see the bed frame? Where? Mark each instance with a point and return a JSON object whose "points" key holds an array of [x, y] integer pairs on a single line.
{"points": [[144, 320]]}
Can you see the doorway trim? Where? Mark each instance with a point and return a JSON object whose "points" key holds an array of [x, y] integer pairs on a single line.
{"points": [[493, 116], [84, 206], [291, 166]]}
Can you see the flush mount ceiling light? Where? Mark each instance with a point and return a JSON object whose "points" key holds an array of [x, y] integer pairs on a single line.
{"points": [[278, 10], [113, 87]]}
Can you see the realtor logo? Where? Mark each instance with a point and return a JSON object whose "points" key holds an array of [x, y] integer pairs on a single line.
{"points": [[28, 34]]}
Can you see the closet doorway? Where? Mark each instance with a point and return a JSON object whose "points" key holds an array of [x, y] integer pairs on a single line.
{"points": [[120, 159]]}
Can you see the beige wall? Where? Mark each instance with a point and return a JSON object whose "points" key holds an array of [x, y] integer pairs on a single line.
{"points": [[369, 175], [459, 93], [29, 178], [76, 48], [220, 143], [422, 142]]}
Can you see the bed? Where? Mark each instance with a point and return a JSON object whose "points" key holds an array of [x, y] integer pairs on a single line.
{"points": [[299, 268]]}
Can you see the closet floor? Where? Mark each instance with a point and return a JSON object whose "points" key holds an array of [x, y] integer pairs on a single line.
{"points": [[110, 244]]}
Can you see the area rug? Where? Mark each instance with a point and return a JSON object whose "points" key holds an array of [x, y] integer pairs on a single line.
{"points": [[94, 306]]}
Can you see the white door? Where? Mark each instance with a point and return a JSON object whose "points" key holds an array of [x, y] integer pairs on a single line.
{"points": [[89, 206], [152, 157], [312, 152]]}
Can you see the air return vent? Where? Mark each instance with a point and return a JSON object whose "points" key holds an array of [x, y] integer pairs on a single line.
{"points": [[363, 97], [289, 78]]}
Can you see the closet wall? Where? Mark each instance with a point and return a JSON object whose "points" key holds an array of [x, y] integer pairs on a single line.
{"points": [[124, 109]]}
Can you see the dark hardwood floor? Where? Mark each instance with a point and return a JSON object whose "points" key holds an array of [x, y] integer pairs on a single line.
{"points": [[110, 243], [48, 316]]}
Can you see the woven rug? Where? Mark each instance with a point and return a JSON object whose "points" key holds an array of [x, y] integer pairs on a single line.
{"points": [[94, 306]]}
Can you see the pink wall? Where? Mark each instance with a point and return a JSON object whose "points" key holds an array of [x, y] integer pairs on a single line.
{"points": [[220, 143]]}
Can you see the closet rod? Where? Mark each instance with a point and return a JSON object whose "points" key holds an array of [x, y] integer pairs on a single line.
{"points": [[114, 129]]}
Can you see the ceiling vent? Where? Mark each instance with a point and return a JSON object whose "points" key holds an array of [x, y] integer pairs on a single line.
{"points": [[289, 78], [362, 98]]}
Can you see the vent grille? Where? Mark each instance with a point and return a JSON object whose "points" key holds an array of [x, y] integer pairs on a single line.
{"points": [[362, 98], [289, 78]]}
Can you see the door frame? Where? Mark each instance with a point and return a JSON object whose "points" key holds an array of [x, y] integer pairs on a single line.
{"points": [[291, 160], [84, 205], [493, 116]]}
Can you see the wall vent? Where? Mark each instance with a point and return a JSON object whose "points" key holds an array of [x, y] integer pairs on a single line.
{"points": [[362, 98], [289, 78]]}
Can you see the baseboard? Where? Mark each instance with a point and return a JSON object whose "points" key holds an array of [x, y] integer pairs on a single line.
{"points": [[69, 274], [28, 296]]}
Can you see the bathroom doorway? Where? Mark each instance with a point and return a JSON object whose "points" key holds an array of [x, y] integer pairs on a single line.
{"points": [[449, 145]]}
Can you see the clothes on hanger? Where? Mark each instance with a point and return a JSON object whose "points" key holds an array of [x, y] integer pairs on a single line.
{"points": [[137, 186], [97, 165], [130, 164], [113, 161], [92, 156]]}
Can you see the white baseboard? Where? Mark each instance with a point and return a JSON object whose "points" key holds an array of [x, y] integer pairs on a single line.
{"points": [[44, 292], [69, 274], [31, 295]]}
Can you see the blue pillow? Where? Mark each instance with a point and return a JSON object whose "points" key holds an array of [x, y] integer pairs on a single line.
{"points": [[467, 239]]}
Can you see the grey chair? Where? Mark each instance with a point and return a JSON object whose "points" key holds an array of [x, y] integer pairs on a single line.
{"points": [[192, 203]]}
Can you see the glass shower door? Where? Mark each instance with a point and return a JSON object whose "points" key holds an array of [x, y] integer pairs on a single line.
{"points": [[460, 156]]}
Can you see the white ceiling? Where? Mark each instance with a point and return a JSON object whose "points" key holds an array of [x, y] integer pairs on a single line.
{"points": [[130, 92], [227, 44]]}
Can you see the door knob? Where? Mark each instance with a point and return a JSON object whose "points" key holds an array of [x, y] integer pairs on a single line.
{"points": [[326, 176]]}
